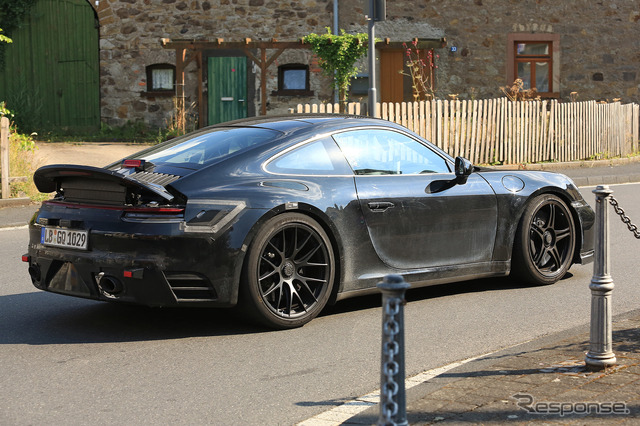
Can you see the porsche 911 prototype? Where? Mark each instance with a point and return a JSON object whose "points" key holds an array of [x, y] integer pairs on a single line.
{"points": [[282, 216]]}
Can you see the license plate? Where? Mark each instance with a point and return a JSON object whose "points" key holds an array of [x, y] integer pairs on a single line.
{"points": [[69, 238]]}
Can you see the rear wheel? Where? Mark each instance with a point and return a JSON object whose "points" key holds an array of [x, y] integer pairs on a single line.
{"points": [[289, 271], [545, 241]]}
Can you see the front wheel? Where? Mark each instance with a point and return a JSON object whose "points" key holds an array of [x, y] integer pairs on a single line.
{"points": [[289, 272], [545, 241]]}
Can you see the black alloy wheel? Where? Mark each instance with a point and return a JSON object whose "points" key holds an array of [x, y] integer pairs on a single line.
{"points": [[289, 272], [545, 241]]}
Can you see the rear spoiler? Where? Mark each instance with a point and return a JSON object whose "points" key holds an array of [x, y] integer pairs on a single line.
{"points": [[47, 178]]}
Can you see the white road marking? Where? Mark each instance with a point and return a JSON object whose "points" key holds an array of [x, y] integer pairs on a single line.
{"points": [[13, 228], [344, 412]]}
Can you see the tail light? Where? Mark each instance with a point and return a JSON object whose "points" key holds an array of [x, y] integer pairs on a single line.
{"points": [[146, 212], [136, 164], [139, 212]]}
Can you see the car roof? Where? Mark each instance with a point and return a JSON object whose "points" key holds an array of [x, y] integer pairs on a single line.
{"points": [[293, 123]]}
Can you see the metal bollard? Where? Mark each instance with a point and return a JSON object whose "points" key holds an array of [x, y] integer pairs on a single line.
{"points": [[600, 353], [393, 405]]}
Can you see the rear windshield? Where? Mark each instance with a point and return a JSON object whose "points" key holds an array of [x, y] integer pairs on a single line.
{"points": [[208, 146]]}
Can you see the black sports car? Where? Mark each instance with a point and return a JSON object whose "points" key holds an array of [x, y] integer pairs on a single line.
{"points": [[284, 215]]}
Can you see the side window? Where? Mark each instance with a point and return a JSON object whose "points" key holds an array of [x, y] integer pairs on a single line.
{"points": [[534, 59], [533, 65], [385, 152], [320, 157], [161, 79], [293, 80]]}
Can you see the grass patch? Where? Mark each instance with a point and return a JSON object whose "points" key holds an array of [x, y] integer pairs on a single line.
{"points": [[133, 132], [22, 163]]}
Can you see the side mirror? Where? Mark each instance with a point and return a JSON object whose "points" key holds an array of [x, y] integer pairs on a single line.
{"points": [[463, 169]]}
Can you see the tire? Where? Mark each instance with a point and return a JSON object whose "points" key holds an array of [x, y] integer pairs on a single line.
{"points": [[545, 241], [289, 272]]}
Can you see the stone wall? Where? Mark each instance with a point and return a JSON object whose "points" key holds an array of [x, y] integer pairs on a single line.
{"points": [[599, 44], [130, 32]]}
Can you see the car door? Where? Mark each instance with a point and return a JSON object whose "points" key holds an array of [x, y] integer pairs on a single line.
{"points": [[416, 213]]}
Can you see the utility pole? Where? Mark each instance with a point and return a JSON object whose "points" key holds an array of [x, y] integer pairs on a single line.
{"points": [[377, 12]]}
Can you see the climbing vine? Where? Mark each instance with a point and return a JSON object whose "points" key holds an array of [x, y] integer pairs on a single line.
{"points": [[12, 15], [337, 56]]}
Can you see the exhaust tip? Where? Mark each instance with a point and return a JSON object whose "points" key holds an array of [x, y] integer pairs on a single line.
{"points": [[109, 285], [34, 272]]}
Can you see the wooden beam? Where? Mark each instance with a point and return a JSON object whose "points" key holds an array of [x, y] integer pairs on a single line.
{"points": [[190, 57], [263, 63], [180, 58], [251, 56], [263, 79], [221, 44], [274, 57], [200, 94], [422, 44]]}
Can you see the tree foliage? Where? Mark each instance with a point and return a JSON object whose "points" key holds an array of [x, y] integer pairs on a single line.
{"points": [[338, 54], [12, 15], [4, 38]]}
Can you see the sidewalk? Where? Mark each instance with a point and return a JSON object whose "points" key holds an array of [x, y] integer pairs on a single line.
{"points": [[542, 381]]}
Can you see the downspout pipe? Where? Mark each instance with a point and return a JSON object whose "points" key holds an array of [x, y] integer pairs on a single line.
{"points": [[372, 61], [335, 32], [335, 17]]}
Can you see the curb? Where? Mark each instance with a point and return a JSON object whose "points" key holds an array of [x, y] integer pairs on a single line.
{"points": [[602, 179], [582, 164], [15, 202], [606, 180]]}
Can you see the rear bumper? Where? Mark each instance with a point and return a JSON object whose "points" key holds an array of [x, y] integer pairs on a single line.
{"points": [[586, 225], [586, 257], [146, 270]]}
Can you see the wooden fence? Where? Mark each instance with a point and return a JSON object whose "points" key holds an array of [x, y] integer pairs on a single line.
{"points": [[499, 131]]}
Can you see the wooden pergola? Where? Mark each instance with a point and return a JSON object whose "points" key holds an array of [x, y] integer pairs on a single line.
{"points": [[188, 51]]}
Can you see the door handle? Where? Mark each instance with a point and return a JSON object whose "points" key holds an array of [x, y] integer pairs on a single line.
{"points": [[380, 206]]}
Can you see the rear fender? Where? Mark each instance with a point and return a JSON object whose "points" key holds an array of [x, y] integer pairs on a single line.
{"points": [[324, 221]]}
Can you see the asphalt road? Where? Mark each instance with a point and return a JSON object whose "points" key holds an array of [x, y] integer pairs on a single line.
{"points": [[72, 361]]}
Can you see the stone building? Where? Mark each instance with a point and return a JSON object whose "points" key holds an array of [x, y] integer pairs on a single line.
{"points": [[588, 47]]}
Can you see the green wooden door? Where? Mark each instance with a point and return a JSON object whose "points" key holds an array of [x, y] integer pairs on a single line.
{"points": [[227, 82], [51, 75]]}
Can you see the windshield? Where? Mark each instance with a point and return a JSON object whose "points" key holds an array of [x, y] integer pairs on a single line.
{"points": [[206, 147]]}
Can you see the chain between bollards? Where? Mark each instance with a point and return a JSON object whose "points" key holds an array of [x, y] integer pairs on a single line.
{"points": [[600, 353], [393, 405]]}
